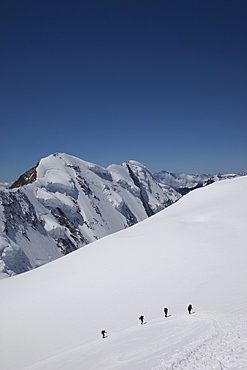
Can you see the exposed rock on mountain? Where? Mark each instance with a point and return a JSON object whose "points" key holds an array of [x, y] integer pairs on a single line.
{"points": [[27, 178], [64, 203]]}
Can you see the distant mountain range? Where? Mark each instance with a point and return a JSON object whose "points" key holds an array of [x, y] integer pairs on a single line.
{"points": [[183, 183], [5, 184], [64, 203]]}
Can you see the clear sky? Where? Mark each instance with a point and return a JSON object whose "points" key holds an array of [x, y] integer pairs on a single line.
{"points": [[163, 82]]}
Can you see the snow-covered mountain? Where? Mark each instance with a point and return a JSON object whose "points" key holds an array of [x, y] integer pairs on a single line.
{"points": [[183, 183], [64, 203], [194, 251], [5, 184]]}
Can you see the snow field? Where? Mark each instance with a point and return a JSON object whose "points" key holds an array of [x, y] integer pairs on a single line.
{"points": [[200, 341], [192, 252]]}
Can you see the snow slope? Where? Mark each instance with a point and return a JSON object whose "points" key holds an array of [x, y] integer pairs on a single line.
{"points": [[64, 203], [192, 252]]}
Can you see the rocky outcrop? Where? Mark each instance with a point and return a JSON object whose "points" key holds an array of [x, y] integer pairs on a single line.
{"points": [[27, 178], [64, 203]]}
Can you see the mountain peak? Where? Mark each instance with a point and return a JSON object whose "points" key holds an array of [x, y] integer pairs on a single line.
{"points": [[70, 203]]}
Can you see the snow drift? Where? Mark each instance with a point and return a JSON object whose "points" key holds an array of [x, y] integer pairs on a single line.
{"points": [[192, 252]]}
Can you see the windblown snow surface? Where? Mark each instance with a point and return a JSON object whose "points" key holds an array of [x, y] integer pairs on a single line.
{"points": [[192, 252]]}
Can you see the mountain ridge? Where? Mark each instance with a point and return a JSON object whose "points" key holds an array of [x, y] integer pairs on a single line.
{"points": [[184, 183], [69, 203], [64, 203]]}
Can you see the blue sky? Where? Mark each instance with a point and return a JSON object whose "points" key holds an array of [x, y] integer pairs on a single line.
{"points": [[163, 82]]}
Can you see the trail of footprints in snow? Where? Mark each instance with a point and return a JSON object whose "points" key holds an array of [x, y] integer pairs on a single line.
{"points": [[225, 350]]}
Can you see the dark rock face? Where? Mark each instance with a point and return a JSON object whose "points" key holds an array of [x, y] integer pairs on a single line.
{"points": [[18, 213], [143, 193], [27, 178]]}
